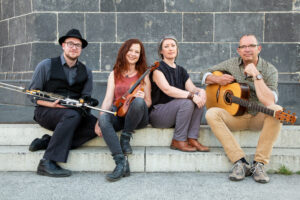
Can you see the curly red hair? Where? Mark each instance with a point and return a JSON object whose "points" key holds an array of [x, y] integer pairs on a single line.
{"points": [[121, 64]]}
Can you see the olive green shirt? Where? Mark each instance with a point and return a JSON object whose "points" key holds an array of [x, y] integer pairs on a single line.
{"points": [[236, 68]]}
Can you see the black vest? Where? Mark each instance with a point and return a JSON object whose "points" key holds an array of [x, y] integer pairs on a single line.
{"points": [[58, 82]]}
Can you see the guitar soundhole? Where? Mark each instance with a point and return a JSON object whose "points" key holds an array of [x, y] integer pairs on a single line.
{"points": [[227, 97]]}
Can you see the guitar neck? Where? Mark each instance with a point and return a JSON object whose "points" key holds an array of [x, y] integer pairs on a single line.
{"points": [[252, 106]]}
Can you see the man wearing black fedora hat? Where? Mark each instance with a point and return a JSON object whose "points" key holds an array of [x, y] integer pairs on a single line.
{"points": [[64, 75]]}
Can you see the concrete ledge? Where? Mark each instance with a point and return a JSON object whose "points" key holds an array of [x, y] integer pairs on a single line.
{"points": [[23, 134], [160, 159], [19, 158], [143, 159]]}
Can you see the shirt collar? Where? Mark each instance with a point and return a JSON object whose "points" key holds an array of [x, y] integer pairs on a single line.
{"points": [[258, 66], [63, 61]]}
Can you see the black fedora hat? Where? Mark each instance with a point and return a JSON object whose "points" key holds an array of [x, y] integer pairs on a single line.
{"points": [[75, 34]]}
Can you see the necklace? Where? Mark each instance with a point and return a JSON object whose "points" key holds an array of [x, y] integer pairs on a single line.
{"points": [[130, 74]]}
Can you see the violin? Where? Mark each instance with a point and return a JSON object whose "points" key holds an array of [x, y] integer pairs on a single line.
{"points": [[124, 102]]}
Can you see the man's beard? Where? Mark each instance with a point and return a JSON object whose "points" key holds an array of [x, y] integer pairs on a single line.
{"points": [[71, 58]]}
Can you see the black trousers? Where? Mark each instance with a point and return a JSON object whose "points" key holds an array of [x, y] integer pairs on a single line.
{"points": [[70, 130]]}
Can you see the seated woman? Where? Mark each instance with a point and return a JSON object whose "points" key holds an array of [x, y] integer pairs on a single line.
{"points": [[176, 101], [130, 65]]}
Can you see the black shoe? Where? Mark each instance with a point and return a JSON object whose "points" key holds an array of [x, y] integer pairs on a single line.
{"points": [[40, 144], [125, 145], [50, 168], [121, 169]]}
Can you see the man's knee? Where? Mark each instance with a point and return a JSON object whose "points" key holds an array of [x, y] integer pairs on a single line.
{"points": [[72, 115], [211, 114]]}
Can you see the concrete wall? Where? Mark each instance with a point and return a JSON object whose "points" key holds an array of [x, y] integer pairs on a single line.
{"points": [[208, 32]]}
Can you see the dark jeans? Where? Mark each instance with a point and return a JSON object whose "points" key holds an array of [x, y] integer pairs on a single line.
{"points": [[136, 117], [70, 130]]}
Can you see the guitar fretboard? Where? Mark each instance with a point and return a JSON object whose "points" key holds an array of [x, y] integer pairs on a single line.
{"points": [[138, 81], [252, 106]]}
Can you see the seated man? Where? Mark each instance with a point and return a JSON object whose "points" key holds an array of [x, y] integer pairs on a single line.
{"points": [[66, 76], [262, 78]]}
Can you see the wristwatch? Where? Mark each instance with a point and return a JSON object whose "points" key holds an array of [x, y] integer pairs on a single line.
{"points": [[259, 77]]}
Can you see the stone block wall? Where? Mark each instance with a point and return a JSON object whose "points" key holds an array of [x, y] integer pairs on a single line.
{"points": [[208, 32]]}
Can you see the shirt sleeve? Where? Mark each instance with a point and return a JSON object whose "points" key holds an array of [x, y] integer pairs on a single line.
{"points": [[204, 77], [223, 66], [88, 86], [271, 80], [40, 76]]}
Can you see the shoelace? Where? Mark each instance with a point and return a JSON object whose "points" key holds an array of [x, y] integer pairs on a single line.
{"points": [[258, 167], [238, 164]]}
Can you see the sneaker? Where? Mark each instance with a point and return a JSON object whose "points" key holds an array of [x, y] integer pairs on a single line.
{"points": [[239, 171], [259, 174]]}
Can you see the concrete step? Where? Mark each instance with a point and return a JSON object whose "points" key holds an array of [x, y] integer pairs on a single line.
{"points": [[23, 134], [143, 159]]}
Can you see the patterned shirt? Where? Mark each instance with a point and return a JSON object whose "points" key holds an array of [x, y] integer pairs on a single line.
{"points": [[236, 68]]}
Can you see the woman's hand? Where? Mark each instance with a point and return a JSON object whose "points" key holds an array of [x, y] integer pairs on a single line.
{"points": [[200, 98], [140, 94], [98, 129]]}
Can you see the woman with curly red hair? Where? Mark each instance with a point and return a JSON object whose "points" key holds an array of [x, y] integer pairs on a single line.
{"points": [[130, 65]]}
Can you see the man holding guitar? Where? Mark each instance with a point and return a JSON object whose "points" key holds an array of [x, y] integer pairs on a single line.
{"points": [[262, 79]]}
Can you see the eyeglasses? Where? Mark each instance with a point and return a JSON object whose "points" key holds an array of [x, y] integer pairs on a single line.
{"points": [[71, 45], [250, 46]]}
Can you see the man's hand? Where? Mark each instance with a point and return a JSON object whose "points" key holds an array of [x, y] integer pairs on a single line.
{"points": [[225, 79], [251, 70], [56, 104], [98, 129], [49, 104]]}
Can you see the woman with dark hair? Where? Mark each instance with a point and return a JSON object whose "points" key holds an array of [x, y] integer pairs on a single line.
{"points": [[176, 101], [130, 65]]}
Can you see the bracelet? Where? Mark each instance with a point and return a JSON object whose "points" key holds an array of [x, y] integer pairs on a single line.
{"points": [[190, 96]]}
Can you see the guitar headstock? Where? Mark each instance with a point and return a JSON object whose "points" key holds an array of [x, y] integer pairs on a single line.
{"points": [[287, 117]]}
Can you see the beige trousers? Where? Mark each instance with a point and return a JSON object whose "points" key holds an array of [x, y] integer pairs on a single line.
{"points": [[222, 123]]}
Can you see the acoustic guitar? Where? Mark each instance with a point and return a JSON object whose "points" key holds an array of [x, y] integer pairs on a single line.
{"points": [[234, 99]]}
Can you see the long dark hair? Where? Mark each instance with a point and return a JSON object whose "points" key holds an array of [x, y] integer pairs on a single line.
{"points": [[122, 65]]}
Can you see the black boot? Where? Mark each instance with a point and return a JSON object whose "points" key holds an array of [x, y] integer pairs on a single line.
{"points": [[127, 169], [40, 144], [50, 168], [121, 169], [125, 145]]}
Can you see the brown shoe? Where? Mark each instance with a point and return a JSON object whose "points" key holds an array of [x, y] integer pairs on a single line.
{"points": [[198, 145], [182, 146]]}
